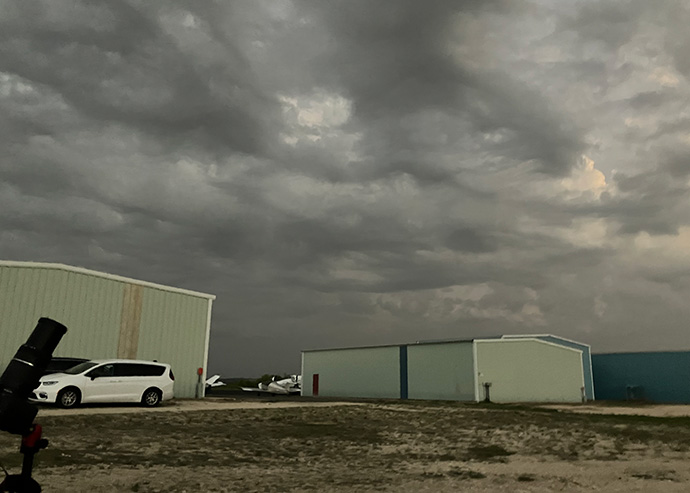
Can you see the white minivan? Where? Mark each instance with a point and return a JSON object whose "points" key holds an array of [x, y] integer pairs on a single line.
{"points": [[117, 380]]}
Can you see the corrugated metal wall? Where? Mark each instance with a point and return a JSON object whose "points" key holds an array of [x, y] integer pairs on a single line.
{"points": [[173, 329], [652, 376], [441, 371], [89, 306], [586, 356], [529, 370], [106, 318], [519, 370], [359, 372]]}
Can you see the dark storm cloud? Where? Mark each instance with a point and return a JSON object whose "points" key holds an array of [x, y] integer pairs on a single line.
{"points": [[650, 100], [674, 126], [141, 79], [654, 201], [534, 132], [392, 53], [612, 23], [676, 38], [678, 164], [651, 203], [357, 172], [399, 59], [471, 240]]}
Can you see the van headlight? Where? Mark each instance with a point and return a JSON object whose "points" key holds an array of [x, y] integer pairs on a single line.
{"points": [[50, 382]]}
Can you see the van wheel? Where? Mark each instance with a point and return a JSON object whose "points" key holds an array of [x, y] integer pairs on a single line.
{"points": [[68, 397], [151, 398]]}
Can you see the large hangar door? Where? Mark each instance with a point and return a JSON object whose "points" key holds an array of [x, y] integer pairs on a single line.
{"points": [[529, 370]]}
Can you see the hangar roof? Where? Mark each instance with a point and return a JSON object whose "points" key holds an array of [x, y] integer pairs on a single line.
{"points": [[113, 277], [449, 341], [416, 343]]}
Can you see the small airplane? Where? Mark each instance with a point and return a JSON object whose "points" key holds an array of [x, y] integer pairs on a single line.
{"points": [[286, 386], [214, 381]]}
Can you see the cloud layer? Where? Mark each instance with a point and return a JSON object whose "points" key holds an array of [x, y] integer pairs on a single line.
{"points": [[358, 172]]}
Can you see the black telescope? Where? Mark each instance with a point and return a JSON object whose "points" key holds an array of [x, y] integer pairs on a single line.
{"points": [[17, 414], [22, 376]]}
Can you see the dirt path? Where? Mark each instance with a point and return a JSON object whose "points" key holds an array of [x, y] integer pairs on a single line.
{"points": [[659, 411], [216, 403], [186, 405]]}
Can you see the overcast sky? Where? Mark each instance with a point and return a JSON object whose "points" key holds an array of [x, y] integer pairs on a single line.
{"points": [[345, 173]]}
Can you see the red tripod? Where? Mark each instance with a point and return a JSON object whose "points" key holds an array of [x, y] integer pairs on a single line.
{"points": [[24, 483]]}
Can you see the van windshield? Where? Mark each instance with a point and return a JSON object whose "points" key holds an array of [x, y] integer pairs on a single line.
{"points": [[80, 368]]}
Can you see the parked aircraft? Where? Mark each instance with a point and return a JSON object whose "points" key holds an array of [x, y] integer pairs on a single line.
{"points": [[286, 386], [214, 381]]}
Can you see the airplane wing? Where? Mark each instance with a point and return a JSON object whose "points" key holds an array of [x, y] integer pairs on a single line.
{"points": [[257, 389], [283, 387], [214, 381], [271, 388]]}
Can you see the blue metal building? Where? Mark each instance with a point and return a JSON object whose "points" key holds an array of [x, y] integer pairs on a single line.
{"points": [[662, 376]]}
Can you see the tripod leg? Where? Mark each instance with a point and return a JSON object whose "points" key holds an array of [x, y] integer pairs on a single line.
{"points": [[17, 483]]}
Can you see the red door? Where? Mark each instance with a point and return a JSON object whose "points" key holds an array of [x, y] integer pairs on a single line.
{"points": [[315, 384]]}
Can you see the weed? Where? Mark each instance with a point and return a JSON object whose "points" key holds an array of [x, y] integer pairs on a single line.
{"points": [[465, 474], [524, 478], [488, 452], [660, 475]]}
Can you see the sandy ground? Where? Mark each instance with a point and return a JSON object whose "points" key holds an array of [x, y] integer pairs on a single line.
{"points": [[259, 445], [214, 404], [662, 411], [189, 405]]}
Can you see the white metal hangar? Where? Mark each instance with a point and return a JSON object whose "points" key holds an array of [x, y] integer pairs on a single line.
{"points": [[107, 316], [511, 369]]}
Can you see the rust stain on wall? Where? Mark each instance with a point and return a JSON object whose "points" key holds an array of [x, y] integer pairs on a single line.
{"points": [[129, 321]]}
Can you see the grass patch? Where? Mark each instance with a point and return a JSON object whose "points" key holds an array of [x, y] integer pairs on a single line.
{"points": [[465, 474], [487, 452], [526, 478], [660, 475]]}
